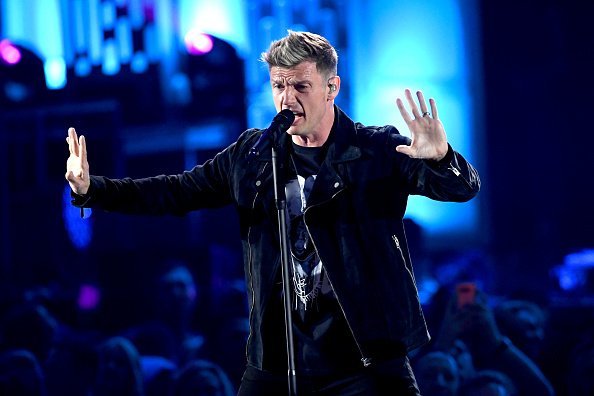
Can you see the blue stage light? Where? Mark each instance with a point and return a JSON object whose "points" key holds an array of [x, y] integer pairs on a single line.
{"points": [[576, 272], [55, 73], [436, 54], [79, 229]]}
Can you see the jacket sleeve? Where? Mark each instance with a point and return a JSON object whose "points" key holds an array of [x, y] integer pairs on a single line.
{"points": [[206, 185], [450, 179]]}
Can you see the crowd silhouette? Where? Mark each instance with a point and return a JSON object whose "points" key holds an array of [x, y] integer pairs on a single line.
{"points": [[492, 344]]}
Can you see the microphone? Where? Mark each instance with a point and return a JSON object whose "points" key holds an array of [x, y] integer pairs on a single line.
{"points": [[280, 123]]}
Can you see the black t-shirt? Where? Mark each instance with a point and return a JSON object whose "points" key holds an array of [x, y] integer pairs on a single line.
{"points": [[324, 343]]}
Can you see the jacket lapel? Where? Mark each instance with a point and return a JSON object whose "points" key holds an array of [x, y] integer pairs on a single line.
{"points": [[343, 148], [329, 181]]}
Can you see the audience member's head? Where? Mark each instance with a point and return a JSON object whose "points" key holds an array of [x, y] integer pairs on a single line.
{"points": [[118, 371], [21, 374], [30, 327], [523, 322], [463, 358], [157, 374], [202, 378], [488, 383], [177, 294], [437, 374]]}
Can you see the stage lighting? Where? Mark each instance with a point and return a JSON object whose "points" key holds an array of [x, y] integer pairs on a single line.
{"points": [[198, 43], [9, 53], [80, 230], [576, 273], [215, 74], [22, 76]]}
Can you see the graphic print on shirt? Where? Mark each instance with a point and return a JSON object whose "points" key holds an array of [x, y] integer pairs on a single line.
{"points": [[308, 275]]}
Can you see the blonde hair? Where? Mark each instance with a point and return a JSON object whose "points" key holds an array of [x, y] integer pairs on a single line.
{"points": [[297, 47]]}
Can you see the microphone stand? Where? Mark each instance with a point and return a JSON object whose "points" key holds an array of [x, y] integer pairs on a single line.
{"points": [[280, 201]]}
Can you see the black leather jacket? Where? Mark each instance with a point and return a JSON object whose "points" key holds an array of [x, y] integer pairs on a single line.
{"points": [[354, 216]]}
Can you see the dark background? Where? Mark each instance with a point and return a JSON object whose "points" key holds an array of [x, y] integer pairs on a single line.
{"points": [[538, 87]]}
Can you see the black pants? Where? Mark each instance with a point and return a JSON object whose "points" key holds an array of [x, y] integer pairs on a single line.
{"points": [[394, 377]]}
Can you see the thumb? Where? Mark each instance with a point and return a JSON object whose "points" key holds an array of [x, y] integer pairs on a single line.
{"points": [[404, 149]]}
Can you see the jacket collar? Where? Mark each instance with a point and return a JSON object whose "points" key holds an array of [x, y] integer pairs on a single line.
{"points": [[343, 146]]}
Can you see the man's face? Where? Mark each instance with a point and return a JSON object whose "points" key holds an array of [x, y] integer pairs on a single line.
{"points": [[304, 91]]}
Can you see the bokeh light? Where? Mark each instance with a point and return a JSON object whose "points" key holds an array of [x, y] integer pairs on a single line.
{"points": [[9, 53], [198, 43]]}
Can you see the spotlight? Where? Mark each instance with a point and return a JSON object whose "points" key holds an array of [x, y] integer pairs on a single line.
{"points": [[198, 43], [22, 76], [215, 76], [9, 53]]}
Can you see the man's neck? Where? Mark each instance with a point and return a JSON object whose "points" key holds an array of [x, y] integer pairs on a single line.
{"points": [[318, 138]]}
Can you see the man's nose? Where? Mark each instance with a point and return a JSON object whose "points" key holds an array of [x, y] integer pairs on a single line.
{"points": [[289, 96]]}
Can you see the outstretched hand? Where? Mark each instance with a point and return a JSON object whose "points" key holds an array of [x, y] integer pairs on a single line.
{"points": [[428, 135], [77, 166]]}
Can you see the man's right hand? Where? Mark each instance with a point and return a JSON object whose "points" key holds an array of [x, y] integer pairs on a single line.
{"points": [[77, 167]]}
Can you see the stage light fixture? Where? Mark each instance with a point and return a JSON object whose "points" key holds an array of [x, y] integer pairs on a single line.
{"points": [[198, 43], [22, 76], [215, 77], [9, 53]]}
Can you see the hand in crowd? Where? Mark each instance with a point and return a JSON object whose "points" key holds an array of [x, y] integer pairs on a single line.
{"points": [[474, 324]]}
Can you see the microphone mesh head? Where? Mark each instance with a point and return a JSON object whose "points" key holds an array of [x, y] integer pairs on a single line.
{"points": [[285, 118]]}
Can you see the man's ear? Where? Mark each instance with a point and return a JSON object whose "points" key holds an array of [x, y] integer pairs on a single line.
{"points": [[333, 87]]}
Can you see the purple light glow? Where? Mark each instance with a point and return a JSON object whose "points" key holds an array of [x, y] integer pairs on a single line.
{"points": [[9, 53], [198, 43], [89, 297]]}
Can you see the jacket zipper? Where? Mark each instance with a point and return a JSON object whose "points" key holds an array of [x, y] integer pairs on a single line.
{"points": [[397, 243], [365, 360], [457, 172], [454, 170], [251, 284]]}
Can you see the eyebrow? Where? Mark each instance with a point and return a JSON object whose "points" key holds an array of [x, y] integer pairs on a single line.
{"points": [[299, 82]]}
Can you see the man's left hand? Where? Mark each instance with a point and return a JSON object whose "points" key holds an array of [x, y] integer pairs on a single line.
{"points": [[428, 135]]}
